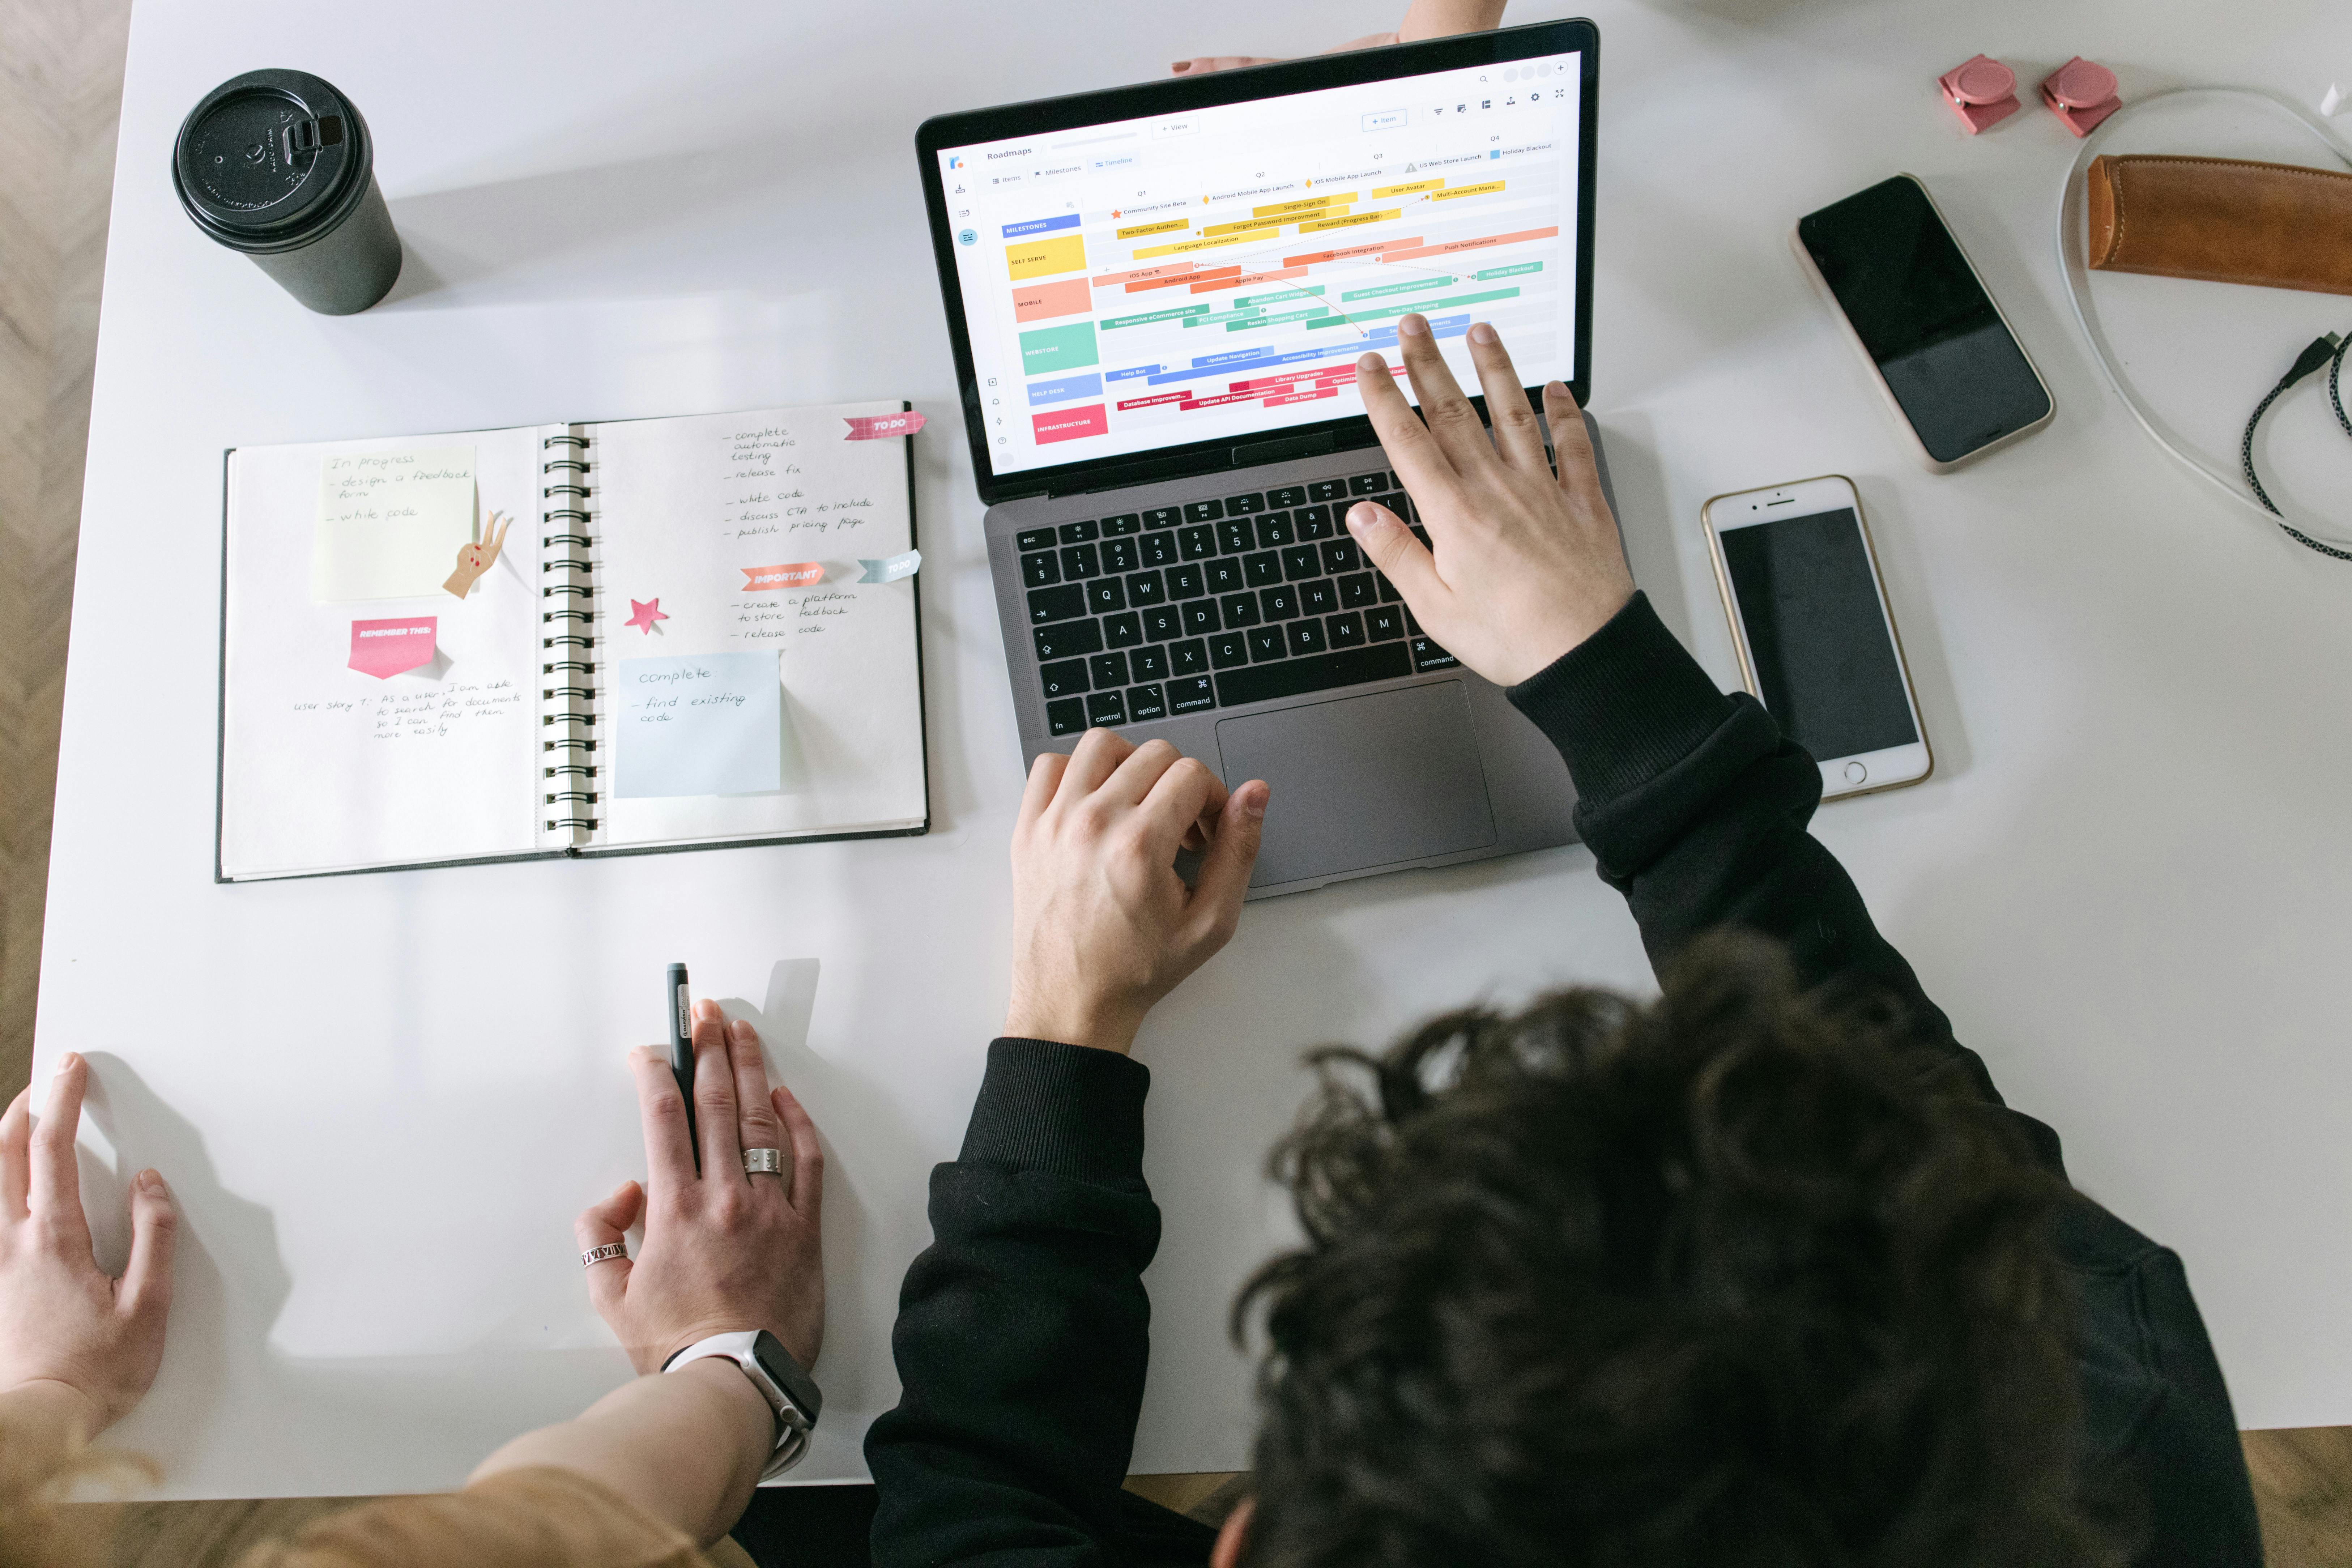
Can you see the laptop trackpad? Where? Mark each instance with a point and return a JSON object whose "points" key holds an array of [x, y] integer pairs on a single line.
{"points": [[1363, 781]]}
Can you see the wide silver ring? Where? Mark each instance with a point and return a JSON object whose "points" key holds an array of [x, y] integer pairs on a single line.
{"points": [[605, 1253], [763, 1162]]}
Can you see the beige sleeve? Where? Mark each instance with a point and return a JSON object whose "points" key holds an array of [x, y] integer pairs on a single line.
{"points": [[515, 1519]]}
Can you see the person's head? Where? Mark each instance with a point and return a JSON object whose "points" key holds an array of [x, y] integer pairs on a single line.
{"points": [[1717, 1279]]}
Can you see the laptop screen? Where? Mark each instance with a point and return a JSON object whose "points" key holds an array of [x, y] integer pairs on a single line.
{"points": [[1137, 284]]}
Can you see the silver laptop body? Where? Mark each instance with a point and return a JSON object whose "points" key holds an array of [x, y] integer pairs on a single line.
{"points": [[1424, 766], [1174, 564]]}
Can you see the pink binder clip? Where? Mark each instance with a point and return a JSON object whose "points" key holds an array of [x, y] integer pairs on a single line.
{"points": [[2082, 93], [1981, 92]]}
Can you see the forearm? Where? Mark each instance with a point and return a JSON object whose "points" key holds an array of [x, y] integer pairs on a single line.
{"points": [[686, 1447], [1697, 809], [1437, 18], [1022, 1329]]}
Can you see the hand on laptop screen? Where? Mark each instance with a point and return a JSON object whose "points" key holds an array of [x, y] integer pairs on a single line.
{"points": [[1520, 566]]}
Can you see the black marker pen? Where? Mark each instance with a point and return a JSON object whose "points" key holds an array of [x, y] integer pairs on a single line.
{"points": [[681, 1050]]}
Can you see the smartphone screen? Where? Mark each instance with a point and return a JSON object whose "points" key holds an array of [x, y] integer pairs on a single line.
{"points": [[1928, 323], [1817, 635]]}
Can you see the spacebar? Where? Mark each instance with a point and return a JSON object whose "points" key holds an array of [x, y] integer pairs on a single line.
{"points": [[1316, 672]]}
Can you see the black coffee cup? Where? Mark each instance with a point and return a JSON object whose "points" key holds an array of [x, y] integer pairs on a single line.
{"points": [[278, 164]]}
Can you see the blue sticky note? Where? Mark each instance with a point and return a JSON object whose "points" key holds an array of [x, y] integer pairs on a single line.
{"points": [[699, 724]]}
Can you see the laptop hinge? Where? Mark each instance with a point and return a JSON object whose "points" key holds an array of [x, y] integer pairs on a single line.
{"points": [[1126, 474], [1258, 452]]}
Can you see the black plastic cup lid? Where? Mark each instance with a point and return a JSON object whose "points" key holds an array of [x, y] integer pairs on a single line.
{"points": [[271, 159]]}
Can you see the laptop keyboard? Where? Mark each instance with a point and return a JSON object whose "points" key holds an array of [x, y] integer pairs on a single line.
{"points": [[1213, 603]]}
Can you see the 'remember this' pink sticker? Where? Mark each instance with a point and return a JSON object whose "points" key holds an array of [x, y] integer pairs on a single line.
{"points": [[766, 579], [386, 648], [880, 426]]}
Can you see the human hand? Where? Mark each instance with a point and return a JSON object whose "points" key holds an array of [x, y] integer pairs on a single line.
{"points": [[1521, 567], [1102, 925], [724, 1251], [65, 1325], [1423, 19]]}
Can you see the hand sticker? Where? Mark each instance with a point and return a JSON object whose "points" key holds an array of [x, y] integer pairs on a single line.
{"points": [[473, 560]]}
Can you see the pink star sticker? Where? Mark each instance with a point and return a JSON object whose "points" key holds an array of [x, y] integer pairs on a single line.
{"points": [[643, 614]]}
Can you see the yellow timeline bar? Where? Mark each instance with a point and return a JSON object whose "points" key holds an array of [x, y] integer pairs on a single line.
{"points": [[1248, 224], [1142, 229], [1180, 248], [1346, 222], [1489, 187], [1037, 257], [1418, 186], [1340, 200]]}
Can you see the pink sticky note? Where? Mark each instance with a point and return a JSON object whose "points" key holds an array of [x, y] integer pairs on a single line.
{"points": [[385, 649], [881, 426]]}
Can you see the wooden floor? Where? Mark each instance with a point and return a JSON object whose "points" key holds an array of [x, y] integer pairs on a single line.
{"points": [[60, 85]]}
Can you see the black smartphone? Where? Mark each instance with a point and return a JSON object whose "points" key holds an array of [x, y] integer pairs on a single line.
{"points": [[1940, 348]]}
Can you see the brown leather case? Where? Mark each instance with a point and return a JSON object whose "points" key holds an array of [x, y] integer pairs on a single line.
{"points": [[2223, 219]]}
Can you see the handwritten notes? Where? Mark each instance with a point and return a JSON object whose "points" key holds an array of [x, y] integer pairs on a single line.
{"points": [[700, 724], [391, 522], [386, 648], [424, 715]]}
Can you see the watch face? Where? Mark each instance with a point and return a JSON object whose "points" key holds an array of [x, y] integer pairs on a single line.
{"points": [[779, 1364]]}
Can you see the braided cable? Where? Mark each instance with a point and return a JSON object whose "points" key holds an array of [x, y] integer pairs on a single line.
{"points": [[2246, 447]]}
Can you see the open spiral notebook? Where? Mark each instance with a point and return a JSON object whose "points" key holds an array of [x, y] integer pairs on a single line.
{"points": [[570, 640]]}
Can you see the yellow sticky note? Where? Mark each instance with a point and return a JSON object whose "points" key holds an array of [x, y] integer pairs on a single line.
{"points": [[1035, 258], [390, 523]]}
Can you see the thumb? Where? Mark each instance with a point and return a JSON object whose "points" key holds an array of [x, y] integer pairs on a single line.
{"points": [[601, 1225], [1391, 547], [146, 1285], [1226, 869]]}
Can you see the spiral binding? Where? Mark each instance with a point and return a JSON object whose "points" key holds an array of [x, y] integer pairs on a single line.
{"points": [[569, 635]]}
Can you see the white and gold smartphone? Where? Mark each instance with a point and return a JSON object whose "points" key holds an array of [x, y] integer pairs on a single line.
{"points": [[1816, 638]]}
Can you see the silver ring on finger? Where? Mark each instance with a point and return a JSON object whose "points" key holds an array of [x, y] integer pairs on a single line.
{"points": [[605, 1253], [763, 1162]]}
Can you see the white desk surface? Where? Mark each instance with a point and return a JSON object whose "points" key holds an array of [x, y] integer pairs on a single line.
{"points": [[381, 1098]]}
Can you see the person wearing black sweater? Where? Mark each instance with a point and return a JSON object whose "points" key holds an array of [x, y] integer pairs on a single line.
{"points": [[1764, 1271]]}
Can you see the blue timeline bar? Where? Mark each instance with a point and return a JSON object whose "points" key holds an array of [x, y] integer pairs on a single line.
{"points": [[1040, 225], [1257, 359]]}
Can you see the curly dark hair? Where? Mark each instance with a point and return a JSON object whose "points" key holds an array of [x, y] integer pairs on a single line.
{"points": [[1734, 1278]]}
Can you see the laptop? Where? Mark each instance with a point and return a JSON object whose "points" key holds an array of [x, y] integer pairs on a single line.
{"points": [[1157, 296]]}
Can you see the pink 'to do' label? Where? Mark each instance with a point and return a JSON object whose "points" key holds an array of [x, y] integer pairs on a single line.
{"points": [[386, 648], [879, 427], [767, 579]]}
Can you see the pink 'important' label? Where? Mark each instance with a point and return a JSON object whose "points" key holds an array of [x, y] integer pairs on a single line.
{"points": [[766, 579], [385, 649]]}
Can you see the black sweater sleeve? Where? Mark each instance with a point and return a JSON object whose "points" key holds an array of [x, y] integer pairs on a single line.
{"points": [[1023, 1332]]}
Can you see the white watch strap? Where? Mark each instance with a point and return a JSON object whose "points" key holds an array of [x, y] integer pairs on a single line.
{"points": [[792, 1427]]}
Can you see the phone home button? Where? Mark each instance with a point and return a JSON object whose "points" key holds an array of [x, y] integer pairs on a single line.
{"points": [[1855, 773]]}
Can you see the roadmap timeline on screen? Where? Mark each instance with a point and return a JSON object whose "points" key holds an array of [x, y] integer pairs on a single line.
{"points": [[1142, 283]]}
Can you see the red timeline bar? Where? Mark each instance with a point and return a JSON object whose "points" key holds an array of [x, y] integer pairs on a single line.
{"points": [[1452, 245]]}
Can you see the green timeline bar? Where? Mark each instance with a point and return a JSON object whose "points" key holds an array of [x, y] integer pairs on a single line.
{"points": [[1058, 348], [1430, 307], [1251, 314], [1398, 288], [1278, 298], [1510, 272], [1169, 315], [1278, 320]]}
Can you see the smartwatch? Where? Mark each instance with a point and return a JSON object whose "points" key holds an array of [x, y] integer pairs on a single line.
{"points": [[791, 1395]]}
